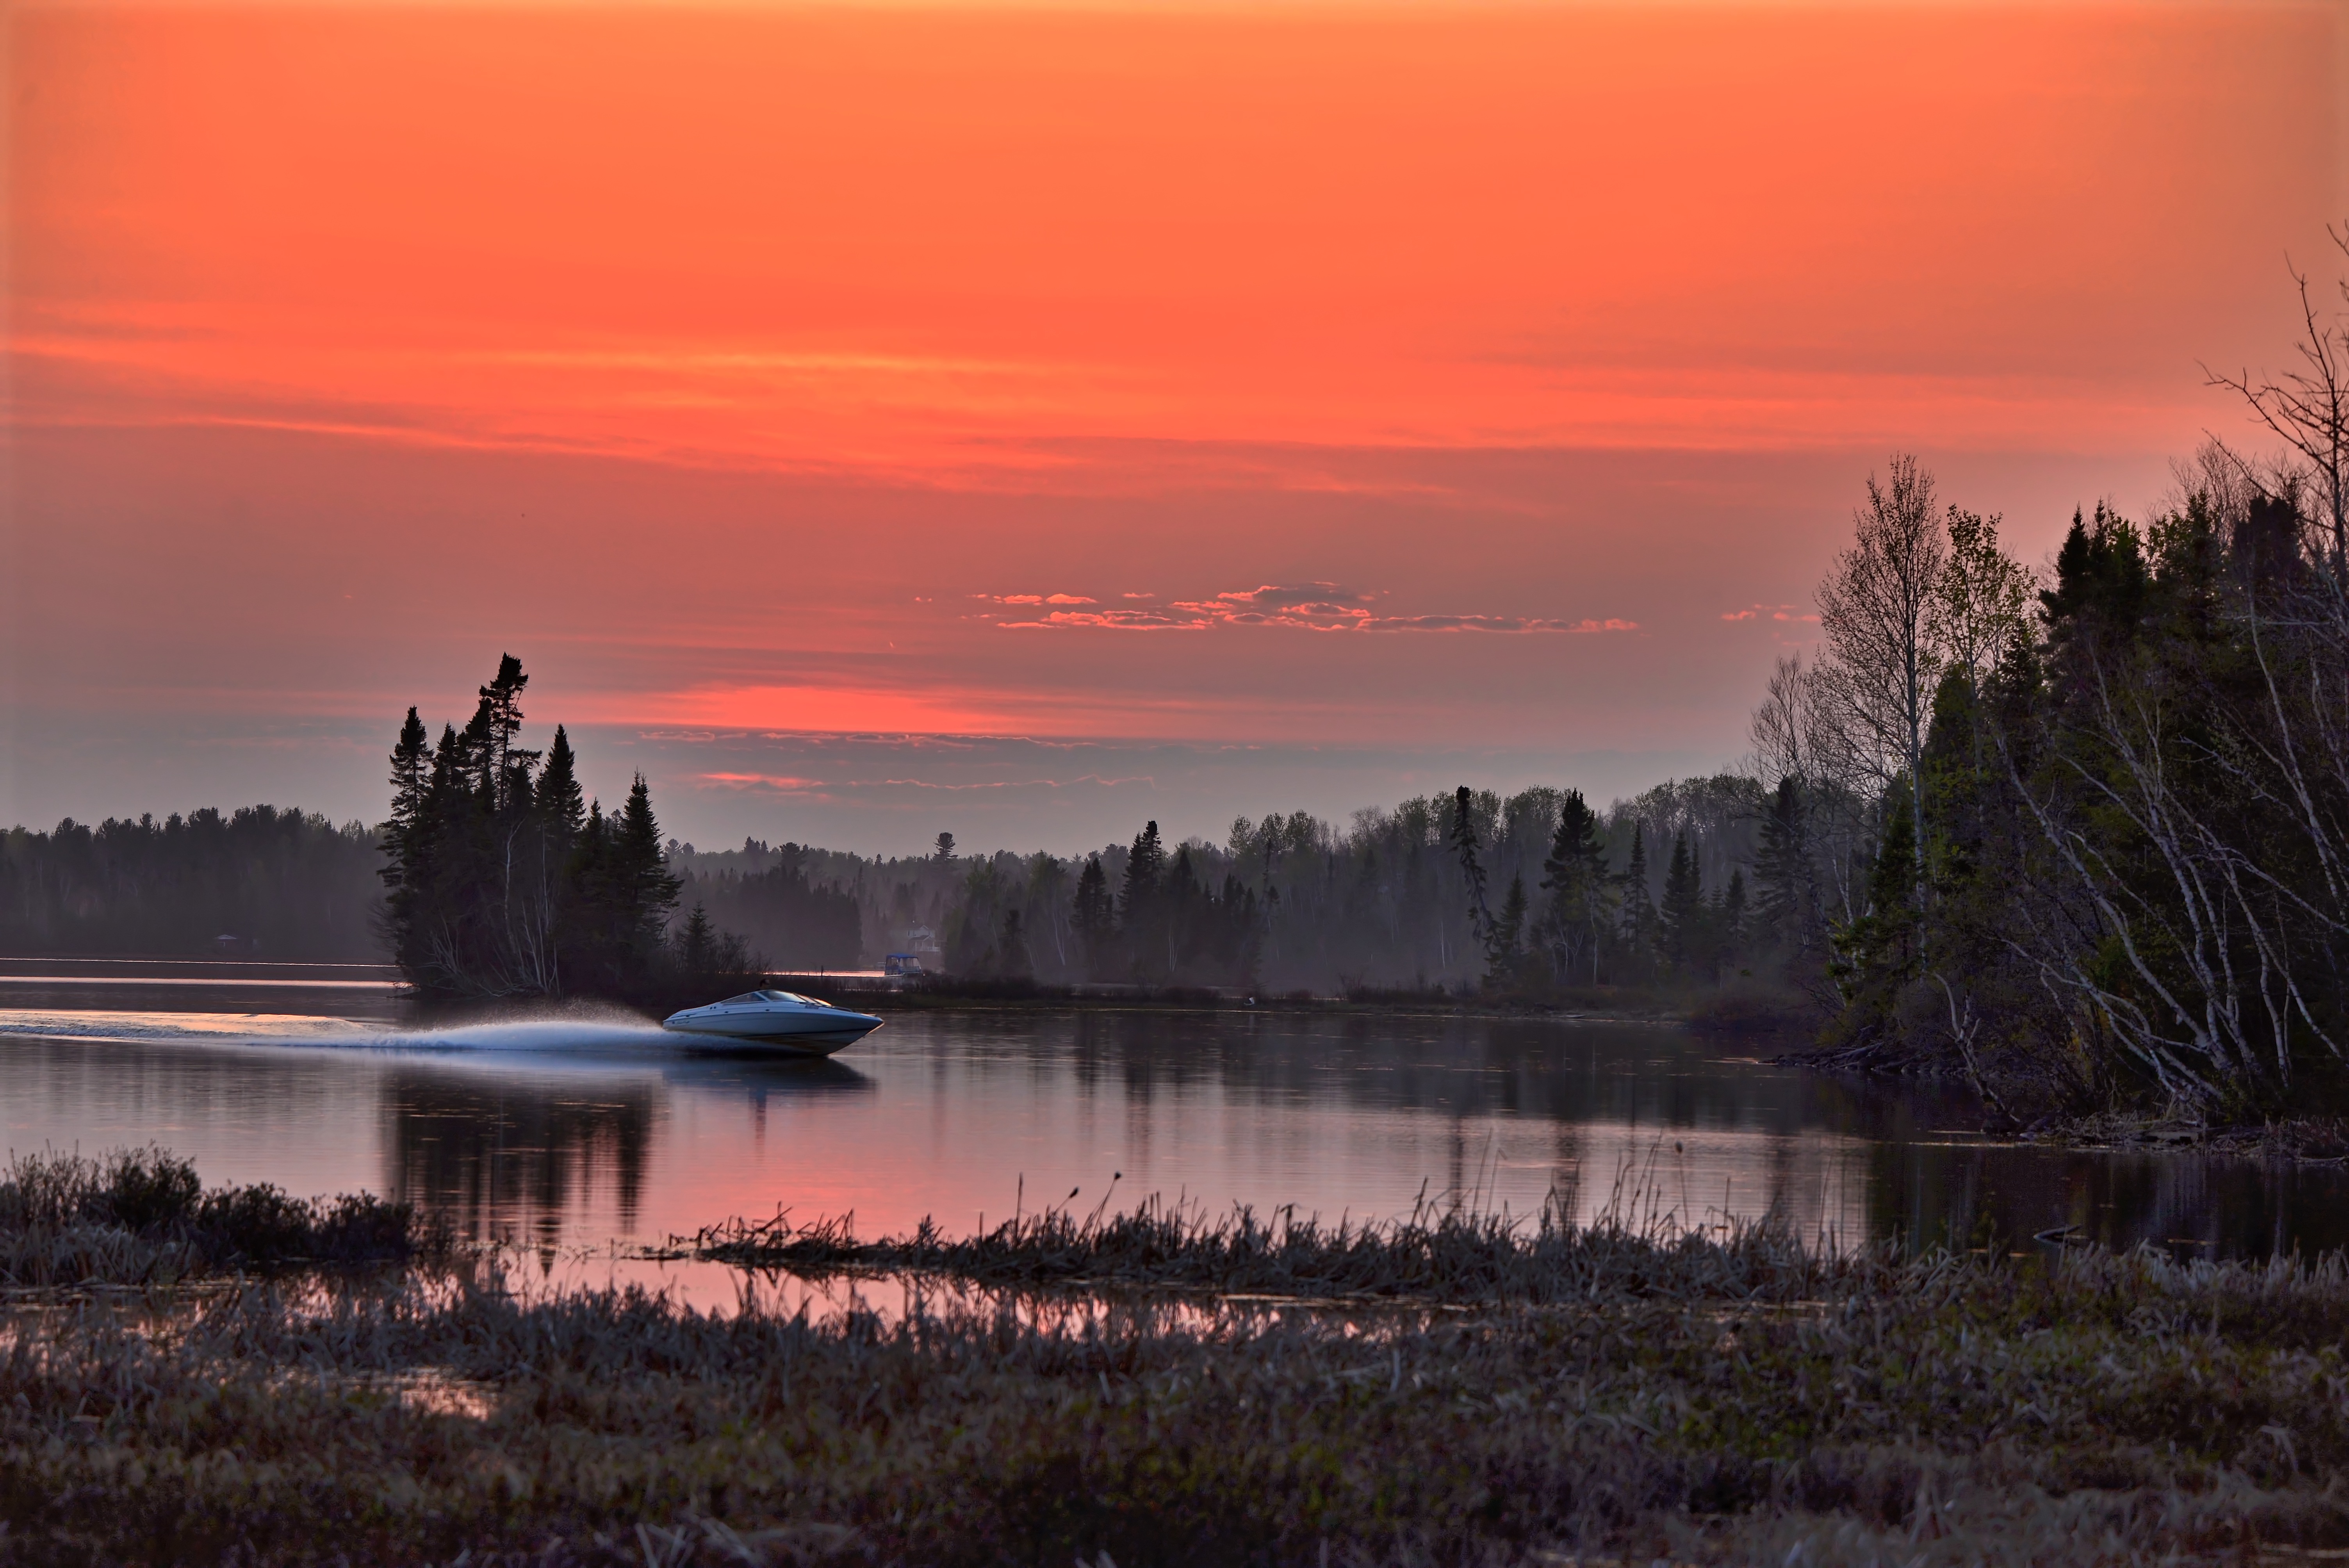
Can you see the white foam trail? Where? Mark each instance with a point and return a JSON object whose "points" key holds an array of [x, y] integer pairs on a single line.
{"points": [[594, 1032], [530, 1035], [213, 1027]]}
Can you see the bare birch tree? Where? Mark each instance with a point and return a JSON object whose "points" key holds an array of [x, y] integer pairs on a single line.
{"points": [[2308, 408], [1877, 610]]}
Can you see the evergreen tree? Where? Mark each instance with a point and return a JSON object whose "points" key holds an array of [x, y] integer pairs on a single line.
{"points": [[1876, 954], [1679, 936], [504, 884], [1145, 863], [648, 892], [1639, 926], [1472, 870], [411, 766], [944, 851], [405, 835], [1140, 921], [1012, 957], [1510, 938], [1574, 876], [496, 721], [1093, 917], [697, 942], [1731, 933], [559, 801]]}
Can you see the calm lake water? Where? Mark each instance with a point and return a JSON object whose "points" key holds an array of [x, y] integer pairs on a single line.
{"points": [[592, 1128]]}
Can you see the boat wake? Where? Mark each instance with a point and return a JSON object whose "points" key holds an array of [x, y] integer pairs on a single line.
{"points": [[589, 1031]]}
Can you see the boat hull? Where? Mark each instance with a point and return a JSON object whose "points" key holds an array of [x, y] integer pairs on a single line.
{"points": [[778, 1035]]}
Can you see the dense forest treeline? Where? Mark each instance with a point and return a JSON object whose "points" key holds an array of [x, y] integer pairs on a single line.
{"points": [[1288, 902], [259, 883]]}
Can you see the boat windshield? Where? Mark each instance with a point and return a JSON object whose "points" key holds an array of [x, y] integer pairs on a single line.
{"points": [[794, 997], [746, 998]]}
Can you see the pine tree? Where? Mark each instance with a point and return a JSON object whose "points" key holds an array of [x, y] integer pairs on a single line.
{"points": [[496, 721], [560, 804], [647, 893], [697, 943], [1639, 926], [1733, 919], [1093, 917], [1681, 923], [411, 763], [1574, 876], [1876, 954], [1472, 870], [1012, 957], [942, 851], [1141, 917], [1510, 938], [1145, 865]]}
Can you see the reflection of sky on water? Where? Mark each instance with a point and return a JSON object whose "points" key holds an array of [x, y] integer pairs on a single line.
{"points": [[581, 1130]]}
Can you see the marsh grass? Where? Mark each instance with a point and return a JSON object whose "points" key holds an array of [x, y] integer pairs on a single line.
{"points": [[140, 1216], [1622, 1394], [1933, 1411], [1437, 1252]]}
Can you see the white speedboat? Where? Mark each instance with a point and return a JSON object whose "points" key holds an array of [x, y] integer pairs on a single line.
{"points": [[784, 1020]]}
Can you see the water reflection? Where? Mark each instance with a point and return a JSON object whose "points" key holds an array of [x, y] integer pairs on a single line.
{"points": [[564, 1131], [510, 1157]]}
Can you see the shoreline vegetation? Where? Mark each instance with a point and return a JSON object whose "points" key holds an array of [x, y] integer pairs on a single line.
{"points": [[1163, 1387]]}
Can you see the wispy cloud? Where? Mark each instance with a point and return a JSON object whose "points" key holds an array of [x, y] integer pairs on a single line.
{"points": [[1496, 623], [817, 788], [1112, 620], [1315, 606], [1768, 613]]}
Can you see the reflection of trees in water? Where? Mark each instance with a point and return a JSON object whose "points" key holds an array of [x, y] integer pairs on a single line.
{"points": [[1965, 1194], [510, 1157], [1475, 1067], [1645, 1121], [1859, 1157]]}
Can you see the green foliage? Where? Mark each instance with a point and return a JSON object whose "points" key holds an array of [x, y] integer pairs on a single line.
{"points": [[2137, 804], [1877, 955]]}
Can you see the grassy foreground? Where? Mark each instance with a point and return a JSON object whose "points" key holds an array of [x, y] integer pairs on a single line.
{"points": [[1593, 1396]]}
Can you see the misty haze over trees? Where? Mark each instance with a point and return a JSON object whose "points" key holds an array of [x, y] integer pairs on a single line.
{"points": [[276, 884], [1296, 901]]}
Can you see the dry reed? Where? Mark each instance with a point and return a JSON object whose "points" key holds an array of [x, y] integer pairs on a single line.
{"points": [[140, 1216], [1616, 1399]]}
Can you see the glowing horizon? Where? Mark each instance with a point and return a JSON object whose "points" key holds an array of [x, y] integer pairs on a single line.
{"points": [[1324, 375]]}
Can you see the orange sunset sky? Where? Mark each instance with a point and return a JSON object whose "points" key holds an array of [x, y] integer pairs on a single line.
{"points": [[871, 420]]}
